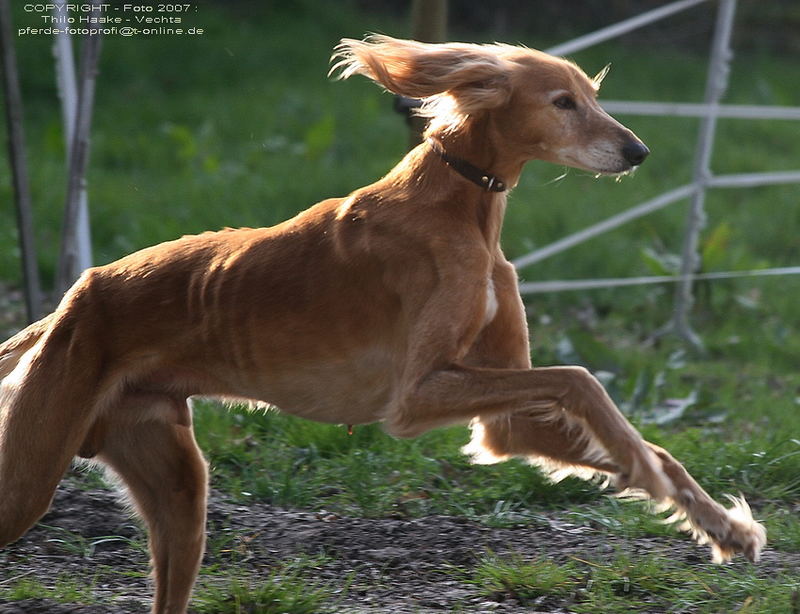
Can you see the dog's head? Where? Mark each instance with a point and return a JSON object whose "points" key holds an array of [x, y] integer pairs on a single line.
{"points": [[541, 107]]}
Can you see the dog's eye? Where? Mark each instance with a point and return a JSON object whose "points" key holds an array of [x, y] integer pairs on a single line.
{"points": [[566, 103]]}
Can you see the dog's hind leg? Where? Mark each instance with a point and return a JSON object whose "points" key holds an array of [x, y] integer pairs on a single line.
{"points": [[151, 446]]}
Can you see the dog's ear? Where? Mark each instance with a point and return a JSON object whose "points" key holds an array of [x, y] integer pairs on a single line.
{"points": [[474, 75]]}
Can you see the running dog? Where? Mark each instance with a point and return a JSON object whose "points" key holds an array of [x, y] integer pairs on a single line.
{"points": [[394, 304]]}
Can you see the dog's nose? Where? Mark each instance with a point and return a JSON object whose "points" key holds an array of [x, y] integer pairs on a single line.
{"points": [[635, 152]]}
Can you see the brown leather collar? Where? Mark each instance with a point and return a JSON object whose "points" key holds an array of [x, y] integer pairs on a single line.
{"points": [[490, 183]]}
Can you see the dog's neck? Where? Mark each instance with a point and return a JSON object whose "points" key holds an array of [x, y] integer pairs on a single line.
{"points": [[481, 178], [424, 177], [474, 144], [488, 206]]}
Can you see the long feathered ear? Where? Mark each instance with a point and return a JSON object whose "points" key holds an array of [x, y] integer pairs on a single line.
{"points": [[475, 76]]}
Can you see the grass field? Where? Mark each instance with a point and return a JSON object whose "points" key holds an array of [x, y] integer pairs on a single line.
{"points": [[242, 128]]}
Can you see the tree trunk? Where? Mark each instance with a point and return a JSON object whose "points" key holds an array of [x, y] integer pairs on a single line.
{"points": [[19, 166], [68, 269]]}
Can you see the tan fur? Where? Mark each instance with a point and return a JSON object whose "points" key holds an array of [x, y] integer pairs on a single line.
{"points": [[394, 304]]}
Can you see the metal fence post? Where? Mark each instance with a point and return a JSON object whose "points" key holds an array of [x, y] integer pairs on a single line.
{"points": [[716, 85], [703, 178]]}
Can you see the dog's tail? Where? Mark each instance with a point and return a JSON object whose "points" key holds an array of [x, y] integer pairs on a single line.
{"points": [[12, 350], [48, 398]]}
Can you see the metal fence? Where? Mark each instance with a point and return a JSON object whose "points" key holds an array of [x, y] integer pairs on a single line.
{"points": [[703, 178]]}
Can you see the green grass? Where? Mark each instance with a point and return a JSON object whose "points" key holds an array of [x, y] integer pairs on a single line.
{"points": [[80, 546], [286, 461], [230, 110], [627, 584], [513, 576], [287, 589], [64, 589], [650, 583], [224, 130]]}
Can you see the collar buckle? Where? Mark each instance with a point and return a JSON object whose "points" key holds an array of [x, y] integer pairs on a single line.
{"points": [[489, 183]]}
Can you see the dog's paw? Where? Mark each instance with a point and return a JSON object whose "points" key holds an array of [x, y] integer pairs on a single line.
{"points": [[739, 532], [728, 531]]}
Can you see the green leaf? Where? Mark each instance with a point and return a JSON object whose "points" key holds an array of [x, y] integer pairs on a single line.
{"points": [[661, 263], [715, 247]]}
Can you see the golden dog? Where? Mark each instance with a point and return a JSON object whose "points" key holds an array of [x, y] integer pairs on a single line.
{"points": [[394, 304]]}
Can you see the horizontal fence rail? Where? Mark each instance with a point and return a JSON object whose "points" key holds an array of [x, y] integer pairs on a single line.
{"points": [[541, 287], [654, 204], [615, 221], [623, 27], [688, 109], [752, 180]]}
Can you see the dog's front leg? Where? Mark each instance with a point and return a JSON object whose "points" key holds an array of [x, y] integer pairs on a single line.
{"points": [[728, 531], [565, 447], [460, 366], [560, 413], [545, 395], [565, 414]]}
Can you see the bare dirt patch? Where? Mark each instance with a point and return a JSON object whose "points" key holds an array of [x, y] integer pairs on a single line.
{"points": [[397, 565]]}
